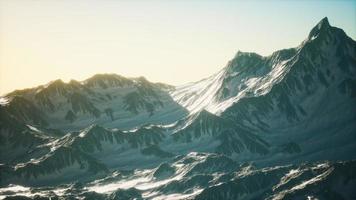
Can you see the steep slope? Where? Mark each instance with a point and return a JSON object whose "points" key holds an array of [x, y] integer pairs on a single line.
{"points": [[224, 136], [248, 74]]}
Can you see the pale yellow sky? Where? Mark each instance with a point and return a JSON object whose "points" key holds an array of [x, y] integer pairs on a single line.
{"points": [[173, 42]]}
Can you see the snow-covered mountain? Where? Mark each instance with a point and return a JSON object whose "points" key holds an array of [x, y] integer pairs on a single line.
{"points": [[106, 99], [276, 127], [208, 176], [301, 98]]}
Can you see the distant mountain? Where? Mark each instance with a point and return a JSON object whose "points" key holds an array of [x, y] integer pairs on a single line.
{"points": [[276, 127], [107, 99]]}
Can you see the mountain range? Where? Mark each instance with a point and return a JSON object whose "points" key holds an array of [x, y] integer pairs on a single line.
{"points": [[281, 126]]}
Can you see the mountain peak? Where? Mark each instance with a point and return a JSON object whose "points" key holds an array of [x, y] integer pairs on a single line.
{"points": [[324, 22], [322, 27], [55, 85]]}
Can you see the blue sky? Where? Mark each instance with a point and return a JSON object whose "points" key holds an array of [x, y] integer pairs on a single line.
{"points": [[168, 41]]}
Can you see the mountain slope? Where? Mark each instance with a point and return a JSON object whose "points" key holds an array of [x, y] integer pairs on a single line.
{"points": [[312, 104], [300, 99], [209, 176], [105, 99]]}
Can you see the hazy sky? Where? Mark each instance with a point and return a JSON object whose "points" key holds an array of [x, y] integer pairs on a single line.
{"points": [[167, 41]]}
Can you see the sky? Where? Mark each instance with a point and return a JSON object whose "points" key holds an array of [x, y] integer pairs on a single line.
{"points": [[174, 42]]}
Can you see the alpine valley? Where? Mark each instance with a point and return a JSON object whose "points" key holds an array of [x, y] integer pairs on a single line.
{"points": [[275, 127]]}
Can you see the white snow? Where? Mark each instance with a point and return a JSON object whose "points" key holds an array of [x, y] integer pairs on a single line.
{"points": [[17, 189], [33, 128], [204, 94], [4, 101], [146, 182]]}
